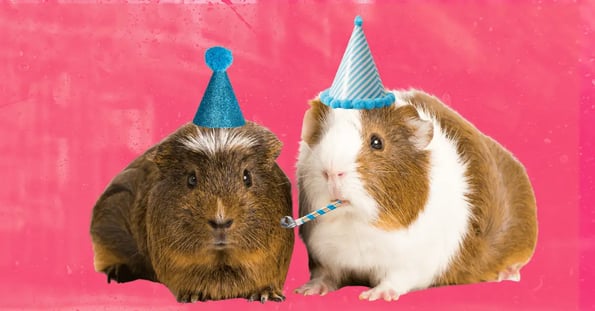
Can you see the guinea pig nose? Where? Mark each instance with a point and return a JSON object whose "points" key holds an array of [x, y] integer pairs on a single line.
{"points": [[221, 223], [332, 175]]}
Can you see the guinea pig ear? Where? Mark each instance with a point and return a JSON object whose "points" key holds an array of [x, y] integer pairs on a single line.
{"points": [[164, 153], [312, 123], [422, 131], [273, 146], [307, 125], [268, 143]]}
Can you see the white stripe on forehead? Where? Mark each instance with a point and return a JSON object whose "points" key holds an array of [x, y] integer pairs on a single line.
{"points": [[341, 140], [348, 117], [219, 140]]}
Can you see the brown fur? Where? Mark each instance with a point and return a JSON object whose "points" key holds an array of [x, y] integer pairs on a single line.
{"points": [[149, 224]]}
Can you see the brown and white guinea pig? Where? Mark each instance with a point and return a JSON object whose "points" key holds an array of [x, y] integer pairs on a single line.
{"points": [[199, 212], [428, 200]]}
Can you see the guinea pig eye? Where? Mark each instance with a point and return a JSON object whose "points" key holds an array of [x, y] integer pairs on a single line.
{"points": [[192, 180], [247, 178], [376, 142]]}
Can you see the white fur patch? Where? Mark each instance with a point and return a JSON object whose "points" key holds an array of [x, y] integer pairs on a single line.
{"points": [[216, 141], [407, 259]]}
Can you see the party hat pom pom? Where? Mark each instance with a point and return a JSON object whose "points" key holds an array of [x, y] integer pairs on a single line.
{"points": [[358, 21], [218, 58]]}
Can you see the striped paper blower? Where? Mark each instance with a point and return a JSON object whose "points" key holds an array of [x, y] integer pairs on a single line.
{"points": [[288, 221]]}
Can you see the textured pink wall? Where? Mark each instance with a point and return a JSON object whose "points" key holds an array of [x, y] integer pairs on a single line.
{"points": [[85, 88]]}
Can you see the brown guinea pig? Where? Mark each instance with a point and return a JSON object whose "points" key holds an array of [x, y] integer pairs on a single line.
{"points": [[199, 212], [428, 200]]}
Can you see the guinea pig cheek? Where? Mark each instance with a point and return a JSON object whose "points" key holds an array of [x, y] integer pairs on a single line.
{"points": [[397, 181]]}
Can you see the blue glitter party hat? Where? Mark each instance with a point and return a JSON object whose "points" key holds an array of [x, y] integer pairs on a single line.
{"points": [[219, 107], [357, 84]]}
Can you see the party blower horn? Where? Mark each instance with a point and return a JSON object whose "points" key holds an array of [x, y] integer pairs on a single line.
{"points": [[288, 221]]}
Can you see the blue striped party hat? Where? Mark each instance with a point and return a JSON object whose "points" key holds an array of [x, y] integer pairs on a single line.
{"points": [[357, 84]]}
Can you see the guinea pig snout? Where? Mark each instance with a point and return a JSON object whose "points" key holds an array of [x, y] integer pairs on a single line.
{"points": [[334, 180], [220, 231], [330, 175]]}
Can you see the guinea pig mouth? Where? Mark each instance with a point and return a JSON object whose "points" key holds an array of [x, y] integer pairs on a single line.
{"points": [[220, 241], [220, 244], [343, 201]]}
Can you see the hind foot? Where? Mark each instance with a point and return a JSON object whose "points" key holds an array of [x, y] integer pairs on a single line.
{"points": [[511, 273], [267, 294]]}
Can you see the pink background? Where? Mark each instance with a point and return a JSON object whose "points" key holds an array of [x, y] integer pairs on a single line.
{"points": [[86, 88]]}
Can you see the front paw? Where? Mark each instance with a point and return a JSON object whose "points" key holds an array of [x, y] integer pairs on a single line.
{"points": [[267, 294], [190, 296], [383, 291], [120, 273]]}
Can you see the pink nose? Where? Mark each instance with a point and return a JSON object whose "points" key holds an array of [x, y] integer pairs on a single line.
{"points": [[332, 175], [335, 183]]}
